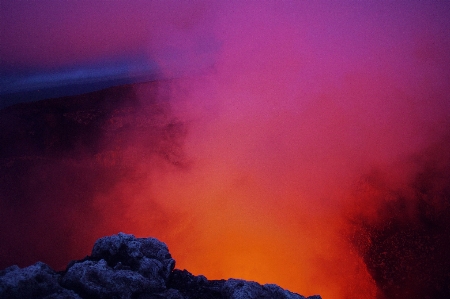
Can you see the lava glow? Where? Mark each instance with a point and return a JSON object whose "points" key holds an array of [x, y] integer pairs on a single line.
{"points": [[302, 143]]}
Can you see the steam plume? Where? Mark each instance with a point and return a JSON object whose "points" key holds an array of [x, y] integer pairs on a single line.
{"points": [[301, 144]]}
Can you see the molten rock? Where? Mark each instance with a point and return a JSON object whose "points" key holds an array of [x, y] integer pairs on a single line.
{"points": [[122, 266]]}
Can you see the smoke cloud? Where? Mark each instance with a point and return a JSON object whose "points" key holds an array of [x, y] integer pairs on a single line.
{"points": [[303, 144]]}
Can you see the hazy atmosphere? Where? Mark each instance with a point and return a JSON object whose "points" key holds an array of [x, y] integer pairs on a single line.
{"points": [[302, 143]]}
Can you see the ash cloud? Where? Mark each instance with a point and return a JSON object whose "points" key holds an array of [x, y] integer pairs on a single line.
{"points": [[403, 234], [292, 108], [303, 102]]}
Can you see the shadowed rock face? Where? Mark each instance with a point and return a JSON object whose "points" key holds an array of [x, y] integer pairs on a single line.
{"points": [[122, 266]]}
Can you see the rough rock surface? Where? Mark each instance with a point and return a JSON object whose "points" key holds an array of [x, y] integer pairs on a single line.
{"points": [[36, 281], [122, 266]]}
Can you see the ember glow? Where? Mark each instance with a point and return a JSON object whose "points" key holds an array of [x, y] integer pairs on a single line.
{"points": [[302, 143]]}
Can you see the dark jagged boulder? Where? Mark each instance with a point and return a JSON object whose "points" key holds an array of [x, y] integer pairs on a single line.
{"points": [[241, 289], [122, 266], [93, 279], [198, 287], [36, 281], [147, 256], [193, 287]]}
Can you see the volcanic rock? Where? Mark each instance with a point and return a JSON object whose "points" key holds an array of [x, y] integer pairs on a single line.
{"points": [[35, 281], [123, 266]]}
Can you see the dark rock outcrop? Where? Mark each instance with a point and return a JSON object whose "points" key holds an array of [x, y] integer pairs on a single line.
{"points": [[122, 266], [36, 281]]}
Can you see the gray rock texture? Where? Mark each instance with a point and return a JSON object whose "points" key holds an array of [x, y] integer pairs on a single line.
{"points": [[36, 281], [122, 266]]}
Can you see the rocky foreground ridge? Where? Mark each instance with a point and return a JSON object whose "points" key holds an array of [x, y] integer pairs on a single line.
{"points": [[123, 266]]}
